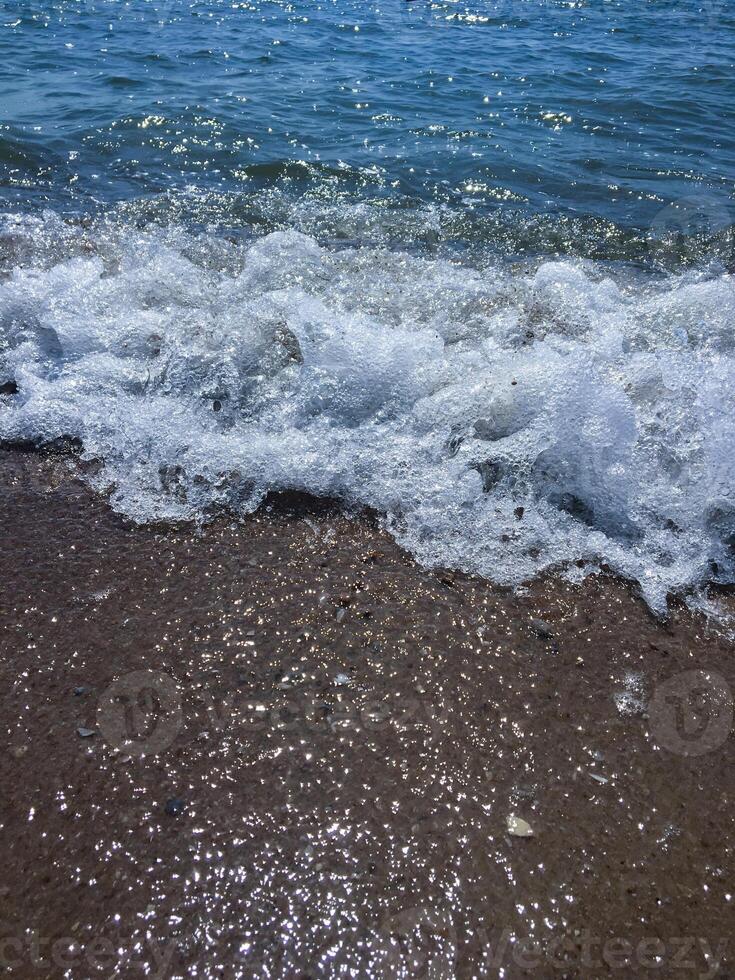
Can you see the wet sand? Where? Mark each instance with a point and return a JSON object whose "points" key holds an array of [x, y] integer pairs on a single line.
{"points": [[279, 748]]}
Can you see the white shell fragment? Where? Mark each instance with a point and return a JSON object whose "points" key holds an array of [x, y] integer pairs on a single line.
{"points": [[517, 827]]}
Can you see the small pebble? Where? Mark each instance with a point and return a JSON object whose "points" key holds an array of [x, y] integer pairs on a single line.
{"points": [[541, 627], [174, 807], [86, 732]]}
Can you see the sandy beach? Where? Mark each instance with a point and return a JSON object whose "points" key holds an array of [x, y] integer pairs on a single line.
{"points": [[279, 747], [367, 490]]}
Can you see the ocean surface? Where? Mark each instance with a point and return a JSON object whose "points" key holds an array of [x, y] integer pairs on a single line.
{"points": [[467, 264]]}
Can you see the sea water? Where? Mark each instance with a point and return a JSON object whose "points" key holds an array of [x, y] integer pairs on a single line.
{"points": [[469, 265]]}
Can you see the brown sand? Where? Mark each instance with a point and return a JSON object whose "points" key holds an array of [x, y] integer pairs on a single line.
{"points": [[342, 737]]}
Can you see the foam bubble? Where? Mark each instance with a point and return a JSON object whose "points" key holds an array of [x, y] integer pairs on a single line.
{"points": [[504, 419]]}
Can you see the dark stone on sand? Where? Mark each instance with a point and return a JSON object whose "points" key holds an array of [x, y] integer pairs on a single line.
{"points": [[541, 628]]}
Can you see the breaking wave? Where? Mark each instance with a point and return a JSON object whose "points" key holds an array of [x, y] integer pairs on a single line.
{"points": [[505, 418]]}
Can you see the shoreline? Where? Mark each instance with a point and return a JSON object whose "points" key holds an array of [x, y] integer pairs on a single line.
{"points": [[338, 741]]}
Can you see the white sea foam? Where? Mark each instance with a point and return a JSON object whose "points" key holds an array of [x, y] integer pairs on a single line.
{"points": [[504, 419]]}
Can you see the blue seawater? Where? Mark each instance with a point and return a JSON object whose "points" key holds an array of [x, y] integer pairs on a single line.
{"points": [[467, 263]]}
